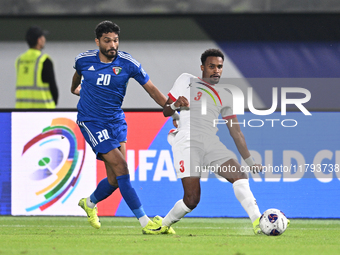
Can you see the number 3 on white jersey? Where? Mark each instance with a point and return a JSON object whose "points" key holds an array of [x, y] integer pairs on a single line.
{"points": [[104, 79]]}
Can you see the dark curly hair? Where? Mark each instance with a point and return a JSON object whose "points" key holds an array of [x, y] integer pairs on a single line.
{"points": [[106, 27], [211, 53]]}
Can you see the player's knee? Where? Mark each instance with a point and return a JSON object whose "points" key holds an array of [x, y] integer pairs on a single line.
{"points": [[191, 201], [120, 168], [123, 168], [112, 181], [238, 176]]}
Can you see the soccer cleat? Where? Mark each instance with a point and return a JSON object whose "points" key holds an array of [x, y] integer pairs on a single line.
{"points": [[91, 214], [168, 230], [288, 223], [256, 227], [153, 229]]}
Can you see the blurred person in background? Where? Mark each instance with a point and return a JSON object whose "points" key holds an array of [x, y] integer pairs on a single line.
{"points": [[35, 86]]}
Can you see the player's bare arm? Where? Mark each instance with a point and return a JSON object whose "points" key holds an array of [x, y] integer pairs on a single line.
{"points": [[155, 93], [75, 87], [171, 106], [240, 142]]}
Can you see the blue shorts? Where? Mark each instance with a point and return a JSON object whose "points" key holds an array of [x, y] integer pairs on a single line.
{"points": [[103, 136]]}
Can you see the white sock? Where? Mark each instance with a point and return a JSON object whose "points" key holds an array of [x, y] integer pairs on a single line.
{"points": [[89, 203], [246, 198], [143, 220], [176, 213]]}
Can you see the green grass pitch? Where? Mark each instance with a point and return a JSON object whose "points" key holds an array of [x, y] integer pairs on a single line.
{"points": [[74, 235]]}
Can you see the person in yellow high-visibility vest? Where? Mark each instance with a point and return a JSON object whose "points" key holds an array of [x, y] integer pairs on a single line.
{"points": [[36, 86]]}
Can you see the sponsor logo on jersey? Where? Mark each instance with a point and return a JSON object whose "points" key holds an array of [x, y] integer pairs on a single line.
{"points": [[91, 68], [116, 70]]}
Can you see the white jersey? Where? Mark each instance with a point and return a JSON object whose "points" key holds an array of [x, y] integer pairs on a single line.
{"points": [[206, 101], [196, 143]]}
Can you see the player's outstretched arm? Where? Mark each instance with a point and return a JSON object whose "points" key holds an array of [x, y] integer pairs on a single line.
{"points": [[240, 142], [75, 87], [155, 93]]}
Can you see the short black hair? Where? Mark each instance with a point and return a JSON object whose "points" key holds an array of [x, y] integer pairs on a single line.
{"points": [[33, 34], [105, 27], [211, 53]]}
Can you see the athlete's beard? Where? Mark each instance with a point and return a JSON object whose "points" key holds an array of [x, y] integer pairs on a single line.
{"points": [[108, 54]]}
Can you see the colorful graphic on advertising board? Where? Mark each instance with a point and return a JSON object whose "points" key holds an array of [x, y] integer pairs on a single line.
{"points": [[48, 164], [310, 148]]}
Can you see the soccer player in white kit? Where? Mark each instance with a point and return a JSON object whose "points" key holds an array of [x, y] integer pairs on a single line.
{"points": [[196, 144]]}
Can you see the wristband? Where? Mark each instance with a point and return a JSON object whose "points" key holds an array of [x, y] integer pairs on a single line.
{"points": [[249, 161], [173, 107]]}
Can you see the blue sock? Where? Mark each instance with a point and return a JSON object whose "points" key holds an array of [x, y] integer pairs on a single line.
{"points": [[103, 190], [130, 196]]}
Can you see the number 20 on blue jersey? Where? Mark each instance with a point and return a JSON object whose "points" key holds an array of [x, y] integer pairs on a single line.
{"points": [[104, 79]]}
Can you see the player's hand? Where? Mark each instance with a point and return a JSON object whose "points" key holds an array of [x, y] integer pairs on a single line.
{"points": [[182, 102], [175, 118], [77, 90], [256, 168]]}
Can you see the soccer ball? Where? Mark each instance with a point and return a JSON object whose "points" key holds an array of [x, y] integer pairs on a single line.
{"points": [[273, 222]]}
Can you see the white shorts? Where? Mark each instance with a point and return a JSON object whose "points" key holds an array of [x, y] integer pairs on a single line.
{"points": [[193, 154]]}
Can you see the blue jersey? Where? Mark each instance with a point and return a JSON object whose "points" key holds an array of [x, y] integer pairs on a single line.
{"points": [[104, 85]]}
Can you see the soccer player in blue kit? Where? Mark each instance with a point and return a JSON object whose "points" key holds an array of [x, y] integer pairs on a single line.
{"points": [[105, 75]]}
